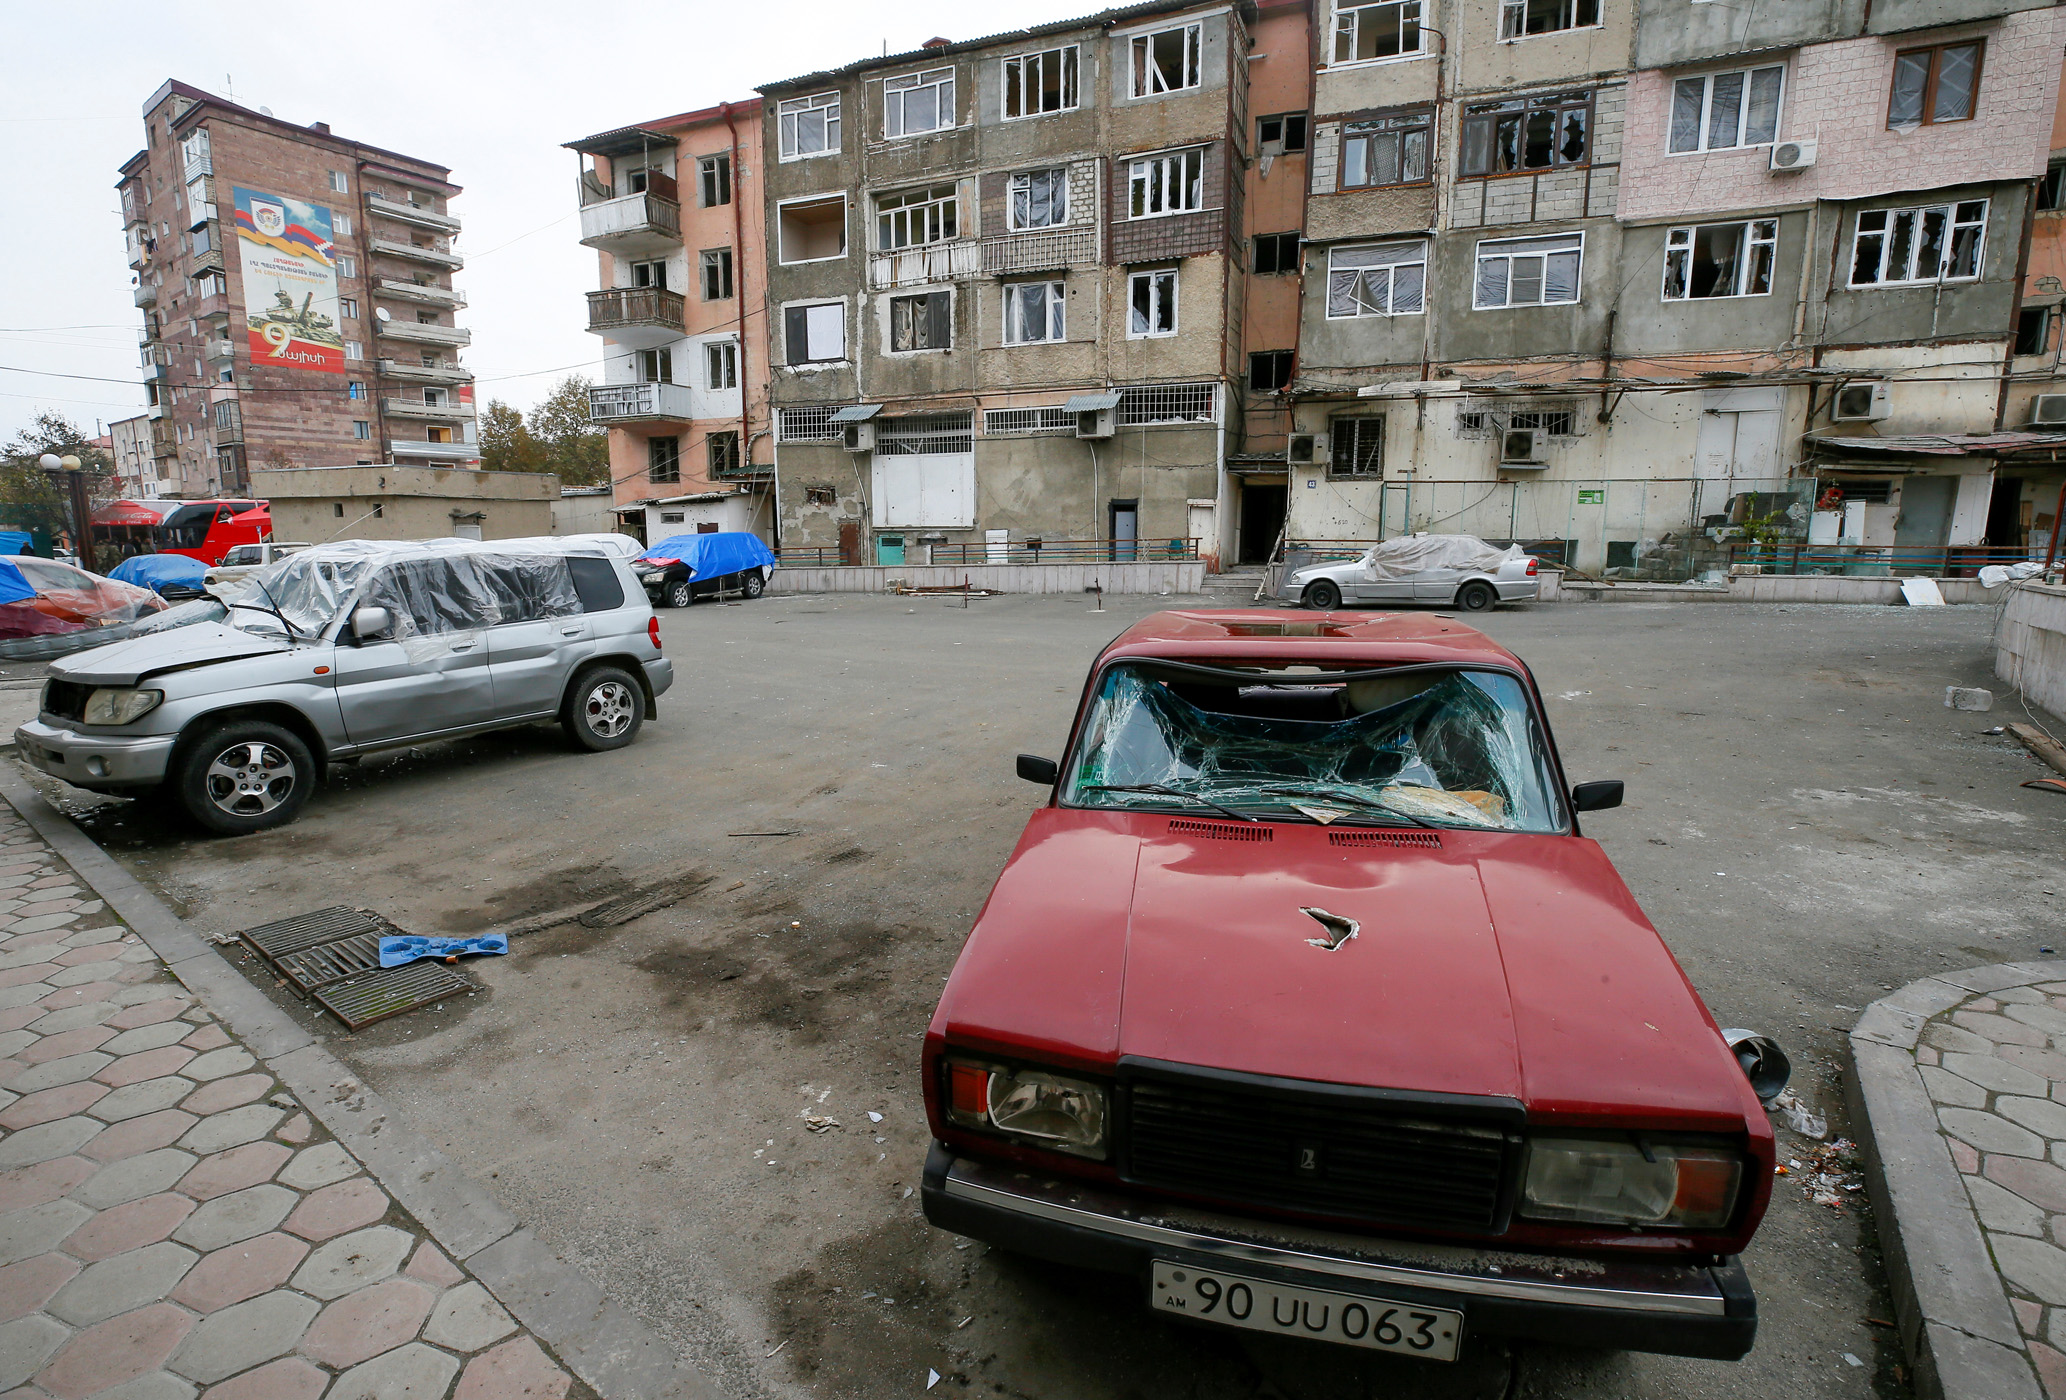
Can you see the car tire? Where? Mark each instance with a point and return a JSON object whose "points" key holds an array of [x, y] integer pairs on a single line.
{"points": [[752, 584], [680, 594], [604, 710], [243, 776], [1324, 594], [1476, 596]]}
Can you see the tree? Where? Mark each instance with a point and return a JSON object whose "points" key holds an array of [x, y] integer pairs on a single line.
{"points": [[30, 498], [577, 450], [506, 444]]}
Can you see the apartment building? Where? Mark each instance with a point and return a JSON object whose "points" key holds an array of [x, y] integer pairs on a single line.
{"points": [[297, 296], [673, 210], [135, 469]]}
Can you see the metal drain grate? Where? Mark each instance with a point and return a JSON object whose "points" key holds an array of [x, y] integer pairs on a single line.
{"points": [[375, 996], [277, 940], [330, 962]]}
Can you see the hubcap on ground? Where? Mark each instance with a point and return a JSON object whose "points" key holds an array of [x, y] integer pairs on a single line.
{"points": [[250, 779], [609, 709]]}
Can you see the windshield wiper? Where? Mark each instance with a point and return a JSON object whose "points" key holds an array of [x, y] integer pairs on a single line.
{"points": [[293, 633], [1167, 791], [1368, 803]]}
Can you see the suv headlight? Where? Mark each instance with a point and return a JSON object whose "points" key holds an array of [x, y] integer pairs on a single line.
{"points": [[121, 706], [1035, 1105], [1614, 1181]]}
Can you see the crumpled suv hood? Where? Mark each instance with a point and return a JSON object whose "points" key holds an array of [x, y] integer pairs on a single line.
{"points": [[128, 662]]}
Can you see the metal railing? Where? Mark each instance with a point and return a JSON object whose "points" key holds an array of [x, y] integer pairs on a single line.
{"points": [[1050, 551], [1878, 560], [635, 306]]}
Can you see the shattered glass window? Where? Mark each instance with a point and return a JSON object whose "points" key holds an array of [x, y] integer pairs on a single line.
{"points": [[1426, 746]]}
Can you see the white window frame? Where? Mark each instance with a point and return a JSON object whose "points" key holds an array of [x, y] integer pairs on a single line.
{"points": [[896, 90], [786, 114], [1071, 61], [1703, 139], [1752, 235], [1157, 300], [1147, 81], [1411, 253], [1055, 299], [338, 183], [347, 265], [844, 215], [1148, 179], [1023, 180], [935, 210], [353, 350], [1348, 23], [340, 222], [720, 363], [811, 324], [1520, 7], [1952, 224], [1541, 245]]}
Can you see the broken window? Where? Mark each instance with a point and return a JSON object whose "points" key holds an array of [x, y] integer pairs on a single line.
{"points": [[1037, 83], [1167, 184], [1528, 271], [1414, 745], [1386, 151], [1270, 370], [1935, 84], [1720, 260], [918, 102], [1376, 31], [1527, 133], [2033, 330], [1937, 243], [809, 125], [1520, 18], [649, 274], [1356, 448], [714, 179], [1166, 61], [923, 322], [1040, 199], [815, 334], [811, 229], [1033, 312], [722, 451], [1151, 301], [1377, 279], [654, 367], [915, 218], [663, 459], [1276, 252], [2051, 190], [1285, 131], [1722, 111], [717, 274]]}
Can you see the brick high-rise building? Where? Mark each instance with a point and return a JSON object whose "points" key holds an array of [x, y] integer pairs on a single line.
{"points": [[297, 296]]}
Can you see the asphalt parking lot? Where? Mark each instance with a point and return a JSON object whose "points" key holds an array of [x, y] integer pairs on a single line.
{"points": [[1806, 824]]}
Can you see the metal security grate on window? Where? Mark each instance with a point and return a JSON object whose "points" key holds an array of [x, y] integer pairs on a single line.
{"points": [[925, 434], [812, 424], [1488, 419], [1168, 403], [999, 422]]}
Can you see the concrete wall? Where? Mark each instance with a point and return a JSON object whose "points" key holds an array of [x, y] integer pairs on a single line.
{"points": [[1671, 32], [1761, 588], [2030, 644], [1175, 576], [583, 515], [414, 503]]}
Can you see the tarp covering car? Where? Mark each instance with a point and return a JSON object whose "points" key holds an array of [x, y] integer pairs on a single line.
{"points": [[1417, 554], [155, 571], [41, 597], [712, 555]]}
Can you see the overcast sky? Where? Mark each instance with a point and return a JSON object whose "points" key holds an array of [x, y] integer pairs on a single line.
{"points": [[488, 89]]}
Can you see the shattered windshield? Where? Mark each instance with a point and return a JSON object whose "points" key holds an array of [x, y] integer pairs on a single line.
{"points": [[307, 589], [1428, 746]]}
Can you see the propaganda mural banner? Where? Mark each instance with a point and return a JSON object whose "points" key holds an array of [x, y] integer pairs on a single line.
{"points": [[290, 282]]}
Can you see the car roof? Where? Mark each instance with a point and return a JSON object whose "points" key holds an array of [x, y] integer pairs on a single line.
{"points": [[1273, 634]]}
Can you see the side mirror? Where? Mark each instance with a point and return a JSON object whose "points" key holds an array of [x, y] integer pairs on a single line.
{"points": [[1035, 769], [1594, 797], [368, 623]]}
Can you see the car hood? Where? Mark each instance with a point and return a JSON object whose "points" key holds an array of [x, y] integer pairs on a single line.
{"points": [[1338, 572], [127, 662], [1491, 964]]}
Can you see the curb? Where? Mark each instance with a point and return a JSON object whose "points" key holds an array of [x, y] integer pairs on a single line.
{"points": [[1954, 1316], [614, 1353]]}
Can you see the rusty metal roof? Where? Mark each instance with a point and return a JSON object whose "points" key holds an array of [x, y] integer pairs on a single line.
{"points": [[1940, 444]]}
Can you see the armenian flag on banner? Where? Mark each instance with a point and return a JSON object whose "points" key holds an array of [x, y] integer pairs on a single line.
{"points": [[290, 282]]}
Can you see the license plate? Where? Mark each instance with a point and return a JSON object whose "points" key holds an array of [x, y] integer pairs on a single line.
{"points": [[1313, 1313]]}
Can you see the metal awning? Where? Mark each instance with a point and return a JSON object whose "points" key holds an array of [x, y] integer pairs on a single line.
{"points": [[857, 413], [622, 142], [1092, 403], [1939, 444]]}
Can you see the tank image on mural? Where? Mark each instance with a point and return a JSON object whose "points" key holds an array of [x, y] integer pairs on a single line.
{"points": [[285, 254]]}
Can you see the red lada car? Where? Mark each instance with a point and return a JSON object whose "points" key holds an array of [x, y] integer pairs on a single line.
{"points": [[1304, 1001]]}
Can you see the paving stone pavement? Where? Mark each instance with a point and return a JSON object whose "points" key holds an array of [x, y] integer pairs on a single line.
{"points": [[172, 1226]]}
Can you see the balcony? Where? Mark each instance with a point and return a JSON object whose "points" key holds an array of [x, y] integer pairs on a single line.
{"points": [[206, 261], [411, 214], [417, 411], [914, 267], [1041, 251], [164, 443], [419, 333], [390, 289], [638, 226], [156, 373], [226, 428], [146, 295], [424, 374], [639, 403], [221, 351], [437, 257], [641, 318], [436, 451], [211, 308]]}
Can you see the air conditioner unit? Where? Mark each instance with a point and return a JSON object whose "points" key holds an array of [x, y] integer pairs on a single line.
{"points": [[1792, 155], [1097, 422], [2048, 411], [859, 437], [1520, 447], [1305, 448], [1861, 401]]}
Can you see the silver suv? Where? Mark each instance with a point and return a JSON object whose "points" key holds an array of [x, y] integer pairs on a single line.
{"points": [[348, 648]]}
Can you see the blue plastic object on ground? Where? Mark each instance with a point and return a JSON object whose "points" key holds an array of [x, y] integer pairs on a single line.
{"points": [[155, 571], [713, 555], [396, 949]]}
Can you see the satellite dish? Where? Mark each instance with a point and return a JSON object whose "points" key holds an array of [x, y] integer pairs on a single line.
{"points": [[265, 111], [381, 313]]}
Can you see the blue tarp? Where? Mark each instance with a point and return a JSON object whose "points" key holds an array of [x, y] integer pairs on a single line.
{"points": [[154, 571], [16, 542], [13, 587], [714, 555]]}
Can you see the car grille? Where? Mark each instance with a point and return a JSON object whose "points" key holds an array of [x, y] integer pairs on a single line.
{"points": [[66, 699], [1339, 1154]]}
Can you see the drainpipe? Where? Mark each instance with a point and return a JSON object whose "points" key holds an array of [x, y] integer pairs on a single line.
{"points": [[739, 300]]}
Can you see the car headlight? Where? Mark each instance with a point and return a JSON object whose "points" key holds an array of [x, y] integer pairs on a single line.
{"points": [[121, 706], [1620, 1182], [1036, 1105]]}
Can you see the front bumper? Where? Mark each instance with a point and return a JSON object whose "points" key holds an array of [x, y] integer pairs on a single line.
{"points": [[99, 762], [1636, 1305]]}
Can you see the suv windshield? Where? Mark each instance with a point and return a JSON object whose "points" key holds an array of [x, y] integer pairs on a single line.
{"points": [[307, 590], [1434, 746]]}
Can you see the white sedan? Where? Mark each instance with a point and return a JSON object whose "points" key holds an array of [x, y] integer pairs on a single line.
{"points": [[1459, 571]]}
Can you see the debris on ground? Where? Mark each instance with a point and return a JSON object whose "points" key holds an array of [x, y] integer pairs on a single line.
{"points": [[932, 1378], [1829, 1174], [396, 949], [642, 901], [819, 1123], [1799, 1118], [2041, 744], [1957, 697], [873, 1116], [2047, 784]]}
